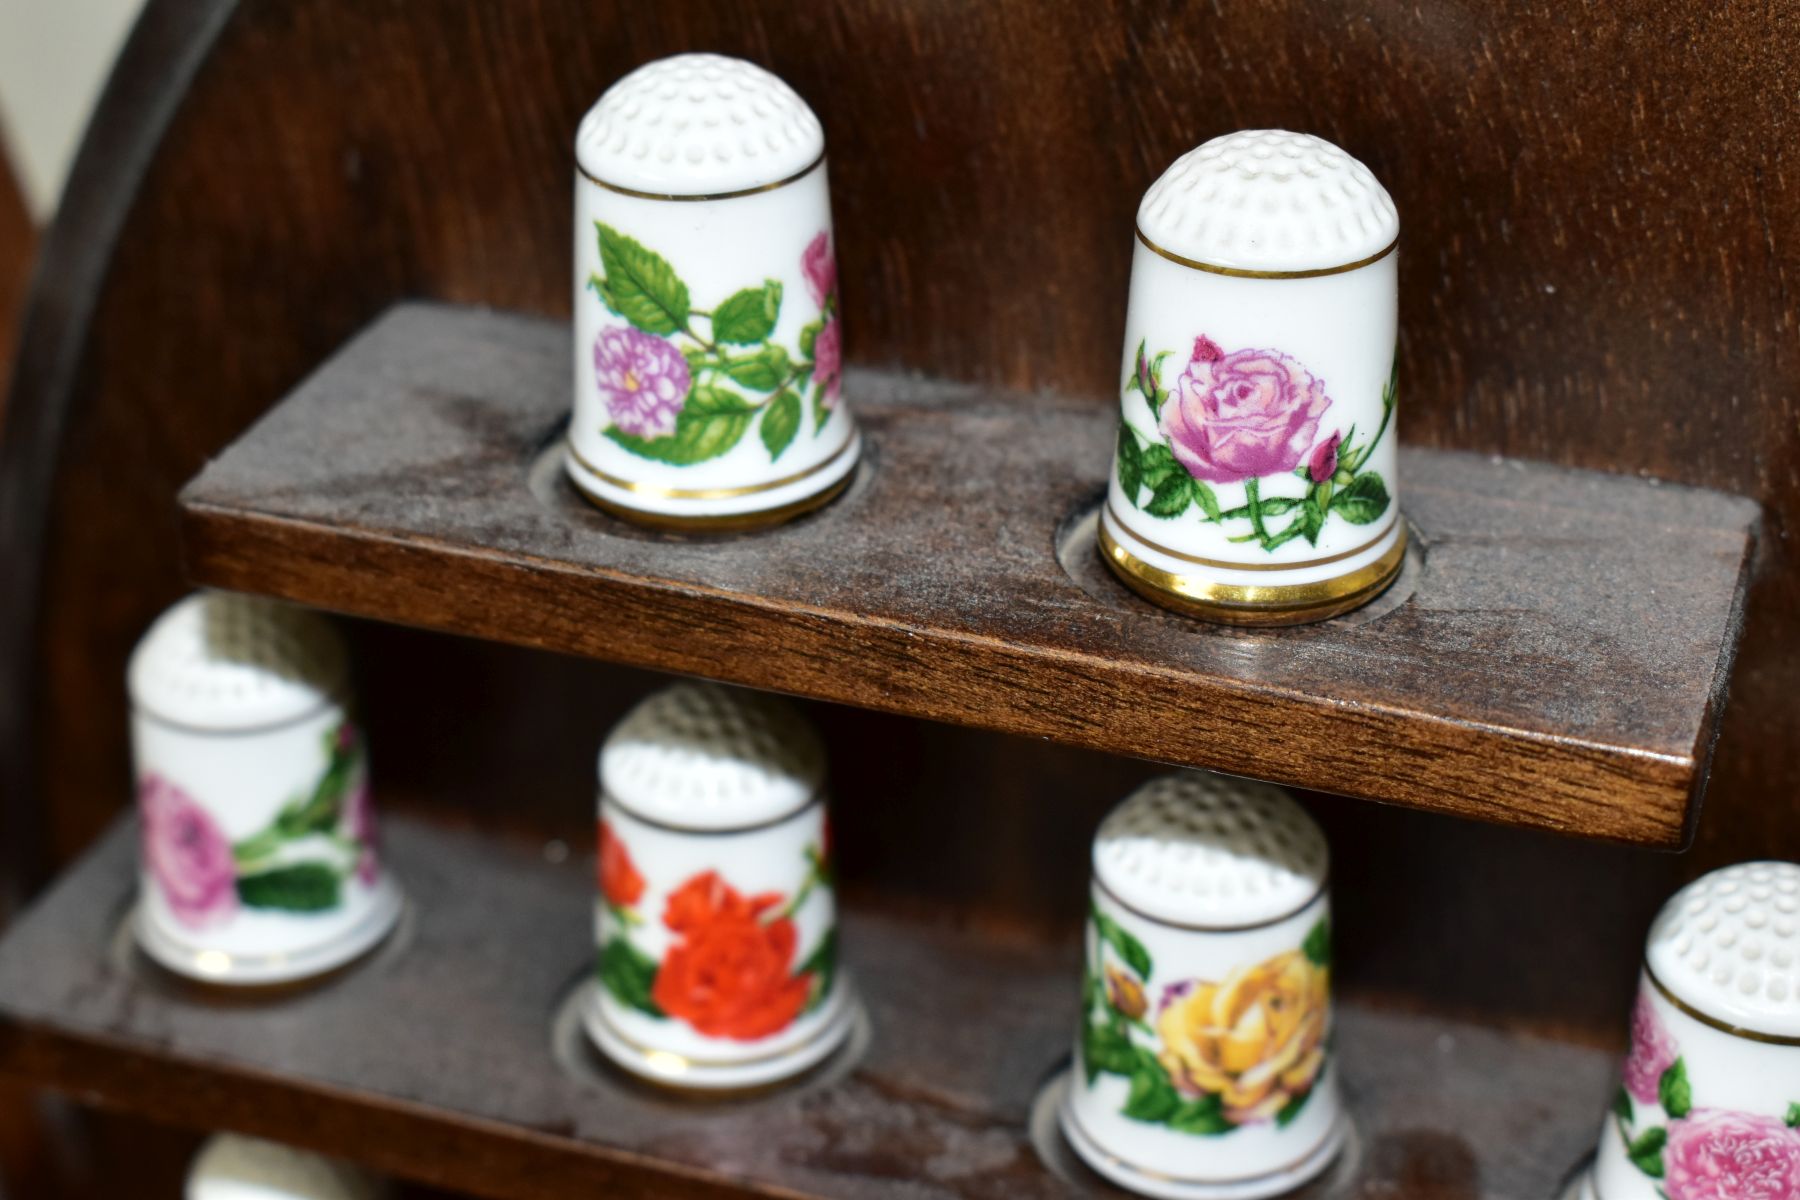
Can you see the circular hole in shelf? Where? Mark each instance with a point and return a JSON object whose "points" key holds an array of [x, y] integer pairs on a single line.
{"points": [[1338, 1181], [550, 484], [1078, 550], [1579, 1185], [127, 957], [576, 1053]]}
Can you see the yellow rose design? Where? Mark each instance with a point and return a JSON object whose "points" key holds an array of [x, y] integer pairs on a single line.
{"points": [[1256, 1038]]}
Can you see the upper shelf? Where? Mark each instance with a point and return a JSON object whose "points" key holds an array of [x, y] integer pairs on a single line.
{"points": [[1555, 654]]}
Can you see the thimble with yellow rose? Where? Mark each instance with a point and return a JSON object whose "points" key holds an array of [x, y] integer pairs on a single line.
{"points": [[1203, 1064]]}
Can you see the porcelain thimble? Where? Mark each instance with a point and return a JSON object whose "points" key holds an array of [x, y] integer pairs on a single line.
{"points": [[1204, 1065], [1253, 479], [259, 857], [1709, 1104], [708, 335], [716, 921], [232, 1167]]}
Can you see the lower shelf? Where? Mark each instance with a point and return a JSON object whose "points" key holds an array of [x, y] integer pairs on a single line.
{"points": [[436, 1058]]}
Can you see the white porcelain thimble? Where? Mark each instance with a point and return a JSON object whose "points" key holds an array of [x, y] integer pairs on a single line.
{"points": [[259, 848], [232, 1167], [1204, 1066], [708, 335], [1253, 479], [1709, 1104], [716, 920]]}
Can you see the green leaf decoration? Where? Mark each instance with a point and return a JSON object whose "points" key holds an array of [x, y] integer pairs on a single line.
{"points": [[1158, 465], [1127, 947], [821, 414], [299, 887], [781, 421], [1291, 1109], [1152, 1098], [1646, 1153], [321, 810], [1170, 499], [1093, 992], [1317, 946], [699, 434], [1106, 1048], [1276, 506], [640, 285], [1312, 518], [1130, 464], [1204, 496], [707, 399], [1204, 1117], [1673, 1090], [1157, 395], [629, 974], [763, 371], [1135, 381], [809, 336], [1622, 1106], [1363, 501], [749, 316], [821, 964], [1793, 1115]]}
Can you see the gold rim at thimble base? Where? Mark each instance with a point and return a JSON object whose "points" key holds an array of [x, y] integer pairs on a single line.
{"points": [[731, 523], [1237, 604]]}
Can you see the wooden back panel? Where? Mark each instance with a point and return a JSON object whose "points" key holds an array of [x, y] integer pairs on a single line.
{"points": [[1599, 243]]}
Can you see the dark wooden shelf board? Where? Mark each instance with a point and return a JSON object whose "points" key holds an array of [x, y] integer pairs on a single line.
{"points": [[433, 1059], [1560, 660]]}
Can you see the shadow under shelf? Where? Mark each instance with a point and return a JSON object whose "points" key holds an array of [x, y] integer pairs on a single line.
{"points": [[1554, 656]]}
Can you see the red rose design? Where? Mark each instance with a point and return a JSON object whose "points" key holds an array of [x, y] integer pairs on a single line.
{"points": [[620, 882], [731, 974]]}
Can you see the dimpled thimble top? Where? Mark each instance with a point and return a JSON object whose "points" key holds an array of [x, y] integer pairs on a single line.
{"points": [[242, 1168], [225, 661], [1728, 944], [1210, 850], [1269, 200], [698, 125], [704, 756]]}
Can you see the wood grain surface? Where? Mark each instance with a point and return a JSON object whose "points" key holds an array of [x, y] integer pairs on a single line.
{"points": [[435, 1058]]}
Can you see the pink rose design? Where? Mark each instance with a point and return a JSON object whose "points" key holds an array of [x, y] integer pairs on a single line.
{"points": [[1323, 464], [1653, 1051], [359, 819], [1714, 1154], [828, 360], [187, 855], [1242, 415], [819, 265], [643, 379]]}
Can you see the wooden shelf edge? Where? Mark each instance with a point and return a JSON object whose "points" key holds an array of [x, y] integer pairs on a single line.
{"points": [[1435, 705]]}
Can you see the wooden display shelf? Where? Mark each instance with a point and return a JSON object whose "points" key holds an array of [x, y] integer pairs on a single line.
{"points": [[435, 1059], [1555, 654]]}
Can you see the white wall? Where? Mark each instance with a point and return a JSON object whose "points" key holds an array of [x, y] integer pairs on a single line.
{"points": [[54, 57]]}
